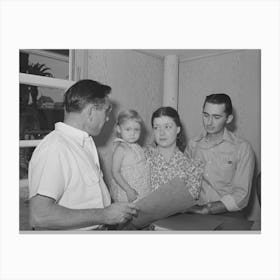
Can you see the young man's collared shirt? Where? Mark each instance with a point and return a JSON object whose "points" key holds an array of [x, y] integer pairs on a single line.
{"points": [[229, 168], [65, 166]]}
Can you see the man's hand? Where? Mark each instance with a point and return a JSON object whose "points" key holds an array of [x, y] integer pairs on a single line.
{"points": [[131, 194], [215, 207], [120, 212], [196, 209]]}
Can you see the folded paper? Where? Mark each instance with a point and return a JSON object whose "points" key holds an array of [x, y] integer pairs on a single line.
{"points": [[170, 198]]}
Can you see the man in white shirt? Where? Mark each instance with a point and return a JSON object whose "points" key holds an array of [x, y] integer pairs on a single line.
{"points": [[66, 187]]}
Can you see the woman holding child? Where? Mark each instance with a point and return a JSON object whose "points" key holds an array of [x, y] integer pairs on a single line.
{"points": [[165, 160]]}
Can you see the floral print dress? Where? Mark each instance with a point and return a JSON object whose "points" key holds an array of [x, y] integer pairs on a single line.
{"points": [[180, 164]]}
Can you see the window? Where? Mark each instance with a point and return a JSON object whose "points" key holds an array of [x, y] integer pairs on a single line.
{"points": [[44, 76]]}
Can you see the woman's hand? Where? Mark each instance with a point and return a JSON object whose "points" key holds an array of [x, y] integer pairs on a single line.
{"points": [[131, 194]]}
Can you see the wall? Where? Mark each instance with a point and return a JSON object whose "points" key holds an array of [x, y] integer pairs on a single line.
{"points": [[136, 80], [238, 74]]}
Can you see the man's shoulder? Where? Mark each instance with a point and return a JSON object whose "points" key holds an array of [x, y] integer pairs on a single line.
{"points": [[53, 138], [236, 139], [243, 147], [52, 142]]}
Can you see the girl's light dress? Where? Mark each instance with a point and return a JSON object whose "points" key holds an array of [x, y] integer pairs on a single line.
{"points": [[180, 164], [136, 172]]}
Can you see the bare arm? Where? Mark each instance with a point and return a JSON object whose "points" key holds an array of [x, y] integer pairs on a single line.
{"points": [[216, 207], [117, 160], [46, 214], [209, 208]]}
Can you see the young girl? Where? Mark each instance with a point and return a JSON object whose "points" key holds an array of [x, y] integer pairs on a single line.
{"points": [[130, 170], [166, 159]]}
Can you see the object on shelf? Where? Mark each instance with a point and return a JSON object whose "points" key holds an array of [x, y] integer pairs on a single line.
{"points": [[45, 102], [58, 105]]}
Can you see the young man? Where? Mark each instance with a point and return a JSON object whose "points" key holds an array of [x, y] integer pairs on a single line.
{"points": [[229, 161], [66, 187]]}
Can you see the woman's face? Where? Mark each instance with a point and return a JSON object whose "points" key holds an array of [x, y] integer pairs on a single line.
{"points": [[165, 131]]}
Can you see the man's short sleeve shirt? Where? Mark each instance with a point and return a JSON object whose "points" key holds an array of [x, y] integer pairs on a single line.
{"points": [[65, 167]]}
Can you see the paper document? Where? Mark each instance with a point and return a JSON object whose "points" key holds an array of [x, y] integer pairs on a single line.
{"points": [[168, 199]]}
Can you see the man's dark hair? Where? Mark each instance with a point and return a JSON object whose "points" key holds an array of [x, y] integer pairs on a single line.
{"points": [[220, 98], [84, 92]]}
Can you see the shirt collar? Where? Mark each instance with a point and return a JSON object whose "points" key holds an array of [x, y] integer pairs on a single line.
{"points": [[227, 136], [76, 134]]}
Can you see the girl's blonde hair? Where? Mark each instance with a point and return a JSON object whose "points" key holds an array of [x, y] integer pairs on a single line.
{"points": [[129, 115]]}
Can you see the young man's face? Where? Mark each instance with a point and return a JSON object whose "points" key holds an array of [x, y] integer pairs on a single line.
{"points": [[214, 118]]}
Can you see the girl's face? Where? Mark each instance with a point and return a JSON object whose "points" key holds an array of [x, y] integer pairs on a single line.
{"points": [[129, 131], [165, 131]]}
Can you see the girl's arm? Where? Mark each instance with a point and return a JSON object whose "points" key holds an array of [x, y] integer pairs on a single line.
{"points": [[118, 156]]}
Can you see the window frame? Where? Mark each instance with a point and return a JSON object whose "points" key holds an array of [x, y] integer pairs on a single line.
{"points": [[36, 80], [44, 81]]}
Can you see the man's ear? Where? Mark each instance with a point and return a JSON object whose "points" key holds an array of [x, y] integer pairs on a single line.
{"points": [[90, 111], [229, 119], [118, 129]]}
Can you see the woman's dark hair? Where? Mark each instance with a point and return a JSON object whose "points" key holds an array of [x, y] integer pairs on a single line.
{"points": [[84, 92], [220, 98], [172, 113]]}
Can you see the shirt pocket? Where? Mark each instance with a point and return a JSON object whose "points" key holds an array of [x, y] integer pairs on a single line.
{"points": [[227, 168]]}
